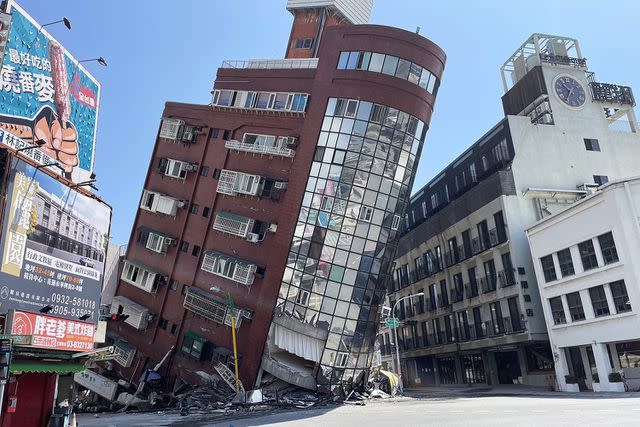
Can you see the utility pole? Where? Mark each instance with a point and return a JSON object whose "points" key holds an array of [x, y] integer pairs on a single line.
{"points": [[395, 334]]}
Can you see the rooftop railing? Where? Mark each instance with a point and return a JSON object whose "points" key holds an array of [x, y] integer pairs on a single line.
{"points": [[272, 64]]}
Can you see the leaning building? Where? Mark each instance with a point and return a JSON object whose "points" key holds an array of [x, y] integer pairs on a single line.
{"points": [[278, 204]]}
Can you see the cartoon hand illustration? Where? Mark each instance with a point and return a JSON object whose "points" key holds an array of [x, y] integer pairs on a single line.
{"points": [[60, 141]]}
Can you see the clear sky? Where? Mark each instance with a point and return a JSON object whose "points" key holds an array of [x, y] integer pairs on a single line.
{"points": [[162, 50]]}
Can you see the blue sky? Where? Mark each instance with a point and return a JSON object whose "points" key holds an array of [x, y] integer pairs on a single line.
{"points": [[163, 50]]}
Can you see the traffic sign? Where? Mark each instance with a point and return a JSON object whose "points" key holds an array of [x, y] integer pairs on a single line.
{"points": [[392, 322]]}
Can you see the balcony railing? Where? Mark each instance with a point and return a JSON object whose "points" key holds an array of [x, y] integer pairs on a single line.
{"points": [[488, 283], [260, 149], [506, 279], [271, 64], [457, 295], [471, 289]]}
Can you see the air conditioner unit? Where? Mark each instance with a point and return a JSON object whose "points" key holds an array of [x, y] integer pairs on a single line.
{"points": [[181, 203], [292, 140], [273, 228], [253, 237], [150, 317], [547, 119], [191, 167], [589, 187], [189, 134], [169, 241], [280, 185]]}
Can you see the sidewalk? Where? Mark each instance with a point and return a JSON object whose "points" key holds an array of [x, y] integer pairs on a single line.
{"points": [[506, 390]]}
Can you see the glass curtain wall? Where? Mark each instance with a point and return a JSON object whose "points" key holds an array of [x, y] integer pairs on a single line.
{"points": [[341, 254]]}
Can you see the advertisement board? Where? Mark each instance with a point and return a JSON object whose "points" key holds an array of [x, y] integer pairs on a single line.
{"points": [[53, 246], [52, 333], [97, 383], [45, 94]]}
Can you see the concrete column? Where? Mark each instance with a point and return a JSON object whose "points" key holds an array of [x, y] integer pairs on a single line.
{"points": [[522, 361], [614, 356], [561, 366], [609, 295], [436, 371], [491, 370], [602, 365], [586, 304], [587, 367]]}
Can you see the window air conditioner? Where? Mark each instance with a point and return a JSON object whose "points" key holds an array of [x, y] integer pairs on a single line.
{"points": [[191, 167], [181, 203], [253, 237], [280, 185], [189, 134], [273, 228], [292, 140], [547, 119]]}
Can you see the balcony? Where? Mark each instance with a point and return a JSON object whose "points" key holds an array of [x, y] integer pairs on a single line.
{"points": [[233, 183], [488, 283], [142, 276], [175, 168], [457, 295], [124, 352], [471, 289], [506, 279], [278, 149], [231, 268], [155, 241]]}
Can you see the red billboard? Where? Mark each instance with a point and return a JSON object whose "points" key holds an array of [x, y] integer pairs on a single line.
{"points": [[52, 332]]}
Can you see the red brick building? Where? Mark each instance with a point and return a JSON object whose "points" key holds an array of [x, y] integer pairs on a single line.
{"points": [[285, 192]]}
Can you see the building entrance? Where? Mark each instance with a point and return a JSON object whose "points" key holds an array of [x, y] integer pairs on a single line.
{"points": [[508, 366]]}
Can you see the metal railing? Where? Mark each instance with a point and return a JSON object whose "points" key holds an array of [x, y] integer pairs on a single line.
{"points": [[506, 279], [488, 283], [271, 64], [232, 144]]}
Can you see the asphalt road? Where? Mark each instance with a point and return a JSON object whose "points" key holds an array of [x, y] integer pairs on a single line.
{"points": [[446, 411]]}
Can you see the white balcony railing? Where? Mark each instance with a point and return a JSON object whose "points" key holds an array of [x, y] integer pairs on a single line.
{"points": [[260, 149], [271, 64]]}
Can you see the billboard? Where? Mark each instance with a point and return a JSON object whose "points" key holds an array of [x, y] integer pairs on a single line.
{"points": [[45, 94], [51, 332], [97, 383], [53, 246]]}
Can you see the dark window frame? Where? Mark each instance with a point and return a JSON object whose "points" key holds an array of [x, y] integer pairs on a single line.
{"points": [[576, 309]]}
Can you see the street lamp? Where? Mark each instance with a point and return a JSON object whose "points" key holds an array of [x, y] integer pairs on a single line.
{"points": [[395, 331], [233, 313], [100, 60], [64, 20]]}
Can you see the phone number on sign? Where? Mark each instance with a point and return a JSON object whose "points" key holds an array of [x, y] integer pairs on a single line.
{"points": [[64, 305], [74, 301]]}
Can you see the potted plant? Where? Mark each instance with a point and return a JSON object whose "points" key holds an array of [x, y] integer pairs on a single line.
{"points": [[571, 384], [616, 382]]}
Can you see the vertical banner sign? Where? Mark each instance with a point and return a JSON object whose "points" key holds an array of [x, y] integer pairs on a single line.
{"points": [[47, 95], [53, 246]]}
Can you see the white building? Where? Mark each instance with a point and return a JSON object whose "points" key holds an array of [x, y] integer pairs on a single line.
{"points": [[464, 246], [585, 258]]}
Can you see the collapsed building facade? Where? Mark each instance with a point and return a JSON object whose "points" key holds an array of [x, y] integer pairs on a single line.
{"points": [[276, 207]]}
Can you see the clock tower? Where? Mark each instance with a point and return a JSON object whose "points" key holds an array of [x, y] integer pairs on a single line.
{"points": [[547, 79]]}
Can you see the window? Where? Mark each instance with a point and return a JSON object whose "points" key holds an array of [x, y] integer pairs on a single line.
{"points": [[599, 301], [575, 306], [591, 144], [395, 223], [390, 64], [608, 248], [162, 323], [600, 179], [139, 276], [193, 345], [215, 133], [588, 255], [557, 311], [548, 268], [366, 213], [444, 293], [424, 209], [304, 43], [496, 317], [206, 212], [184, 246], [620, 296], [226, 135], [341, 360], [173, 168], [342, 61], [204, 171], [174, 329], [194, 208], [196, 250], [566, 263]]}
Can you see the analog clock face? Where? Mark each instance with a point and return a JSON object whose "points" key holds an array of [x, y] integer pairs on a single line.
{"points": [[570, 91]]}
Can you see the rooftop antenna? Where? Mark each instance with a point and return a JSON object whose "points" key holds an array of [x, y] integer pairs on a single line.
{"points": [[418, 29]]}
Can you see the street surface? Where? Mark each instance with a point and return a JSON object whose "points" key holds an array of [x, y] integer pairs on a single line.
{"points": [[512, 411]]}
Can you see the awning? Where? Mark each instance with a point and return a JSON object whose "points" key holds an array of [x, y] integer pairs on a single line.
{"points": [[49, 367]]}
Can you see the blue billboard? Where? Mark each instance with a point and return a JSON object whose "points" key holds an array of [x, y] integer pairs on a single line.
{"points": [[46, 95]]}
